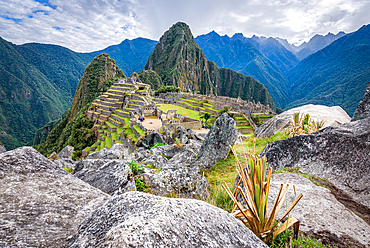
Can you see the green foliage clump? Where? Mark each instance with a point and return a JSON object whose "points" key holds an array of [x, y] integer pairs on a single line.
{"points": [[69, 170], [135, 168], [302, 241], [156, 145], [141, 185], [150, 77]]}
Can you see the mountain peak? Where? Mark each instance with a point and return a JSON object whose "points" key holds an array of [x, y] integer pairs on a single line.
{"points": [[95, 80]]}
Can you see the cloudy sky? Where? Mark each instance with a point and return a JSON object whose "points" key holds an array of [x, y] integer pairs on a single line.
{"points": [[90, 25]]}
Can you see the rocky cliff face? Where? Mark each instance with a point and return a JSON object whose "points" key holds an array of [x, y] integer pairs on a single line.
{"points": [[179, 61], [363, 109], [97, 78]]}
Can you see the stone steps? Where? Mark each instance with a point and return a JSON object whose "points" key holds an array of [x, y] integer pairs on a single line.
{"points": [[117, 92], [122, 113], [118, 118]]}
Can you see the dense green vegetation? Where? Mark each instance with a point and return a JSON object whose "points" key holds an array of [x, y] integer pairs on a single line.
{"points": [[151, 78], [38, 82], [28, 98], [335, 75], [75, 129]]}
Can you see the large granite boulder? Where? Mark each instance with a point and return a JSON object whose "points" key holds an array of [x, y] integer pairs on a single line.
{"points": [[113, 177], [338, 153], [66, 153], [331, 115], [2, 148], [41, 204], [320, 213], [363, 108], [216, 145], [150, 140], [117, 151], [138, 219], [185, 182]]}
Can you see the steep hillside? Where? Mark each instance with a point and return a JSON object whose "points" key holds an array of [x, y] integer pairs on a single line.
{"points": [[74, 128], [284, 59], [28, 99], [130, 55], [335, 75], [239, 55], [179, 61], [97, 78]]}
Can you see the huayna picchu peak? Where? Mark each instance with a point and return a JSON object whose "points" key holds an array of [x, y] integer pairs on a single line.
{"points": [[179, 61]]}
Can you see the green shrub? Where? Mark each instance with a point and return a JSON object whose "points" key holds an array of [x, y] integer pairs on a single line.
{"points": [[156, 145], [141, 186], [135, 168]]}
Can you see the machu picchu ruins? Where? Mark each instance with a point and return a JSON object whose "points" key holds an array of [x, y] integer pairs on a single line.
{"points": [[130, 109]]}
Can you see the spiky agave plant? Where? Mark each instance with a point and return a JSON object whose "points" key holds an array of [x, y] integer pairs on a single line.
{"points": [[255, 195]]}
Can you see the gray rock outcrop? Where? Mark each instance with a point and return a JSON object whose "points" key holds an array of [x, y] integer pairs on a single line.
{"points": [[113, 177], [319, 211], [137, 219], [363, 108], [150, 140], [216, 145], [41, 204], [66, 153], [338, 153], [2, 148], [142, 156], [117, 151], [331, 115], [185, 182]]}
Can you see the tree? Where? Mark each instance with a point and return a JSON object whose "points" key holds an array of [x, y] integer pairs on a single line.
{"points": [[206, 116]]}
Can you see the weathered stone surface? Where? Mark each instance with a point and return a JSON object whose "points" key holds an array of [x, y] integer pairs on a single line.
{"points": [[117, 151], [142, 156], [318, 210], [113, 177], [64, 163], [185, 158], [2, 148], [66, 153], [338, 153], [184, 181], [332, 116], [90, 164], [150, 140], [363, 108], [217, 144], [40, 203], [137, 219], [180, 134]]}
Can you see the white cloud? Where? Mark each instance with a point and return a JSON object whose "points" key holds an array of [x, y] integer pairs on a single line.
{"points": [[90, 25]]}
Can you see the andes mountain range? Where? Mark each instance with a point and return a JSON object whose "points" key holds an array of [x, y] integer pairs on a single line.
{"points": [[38, 81]]}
